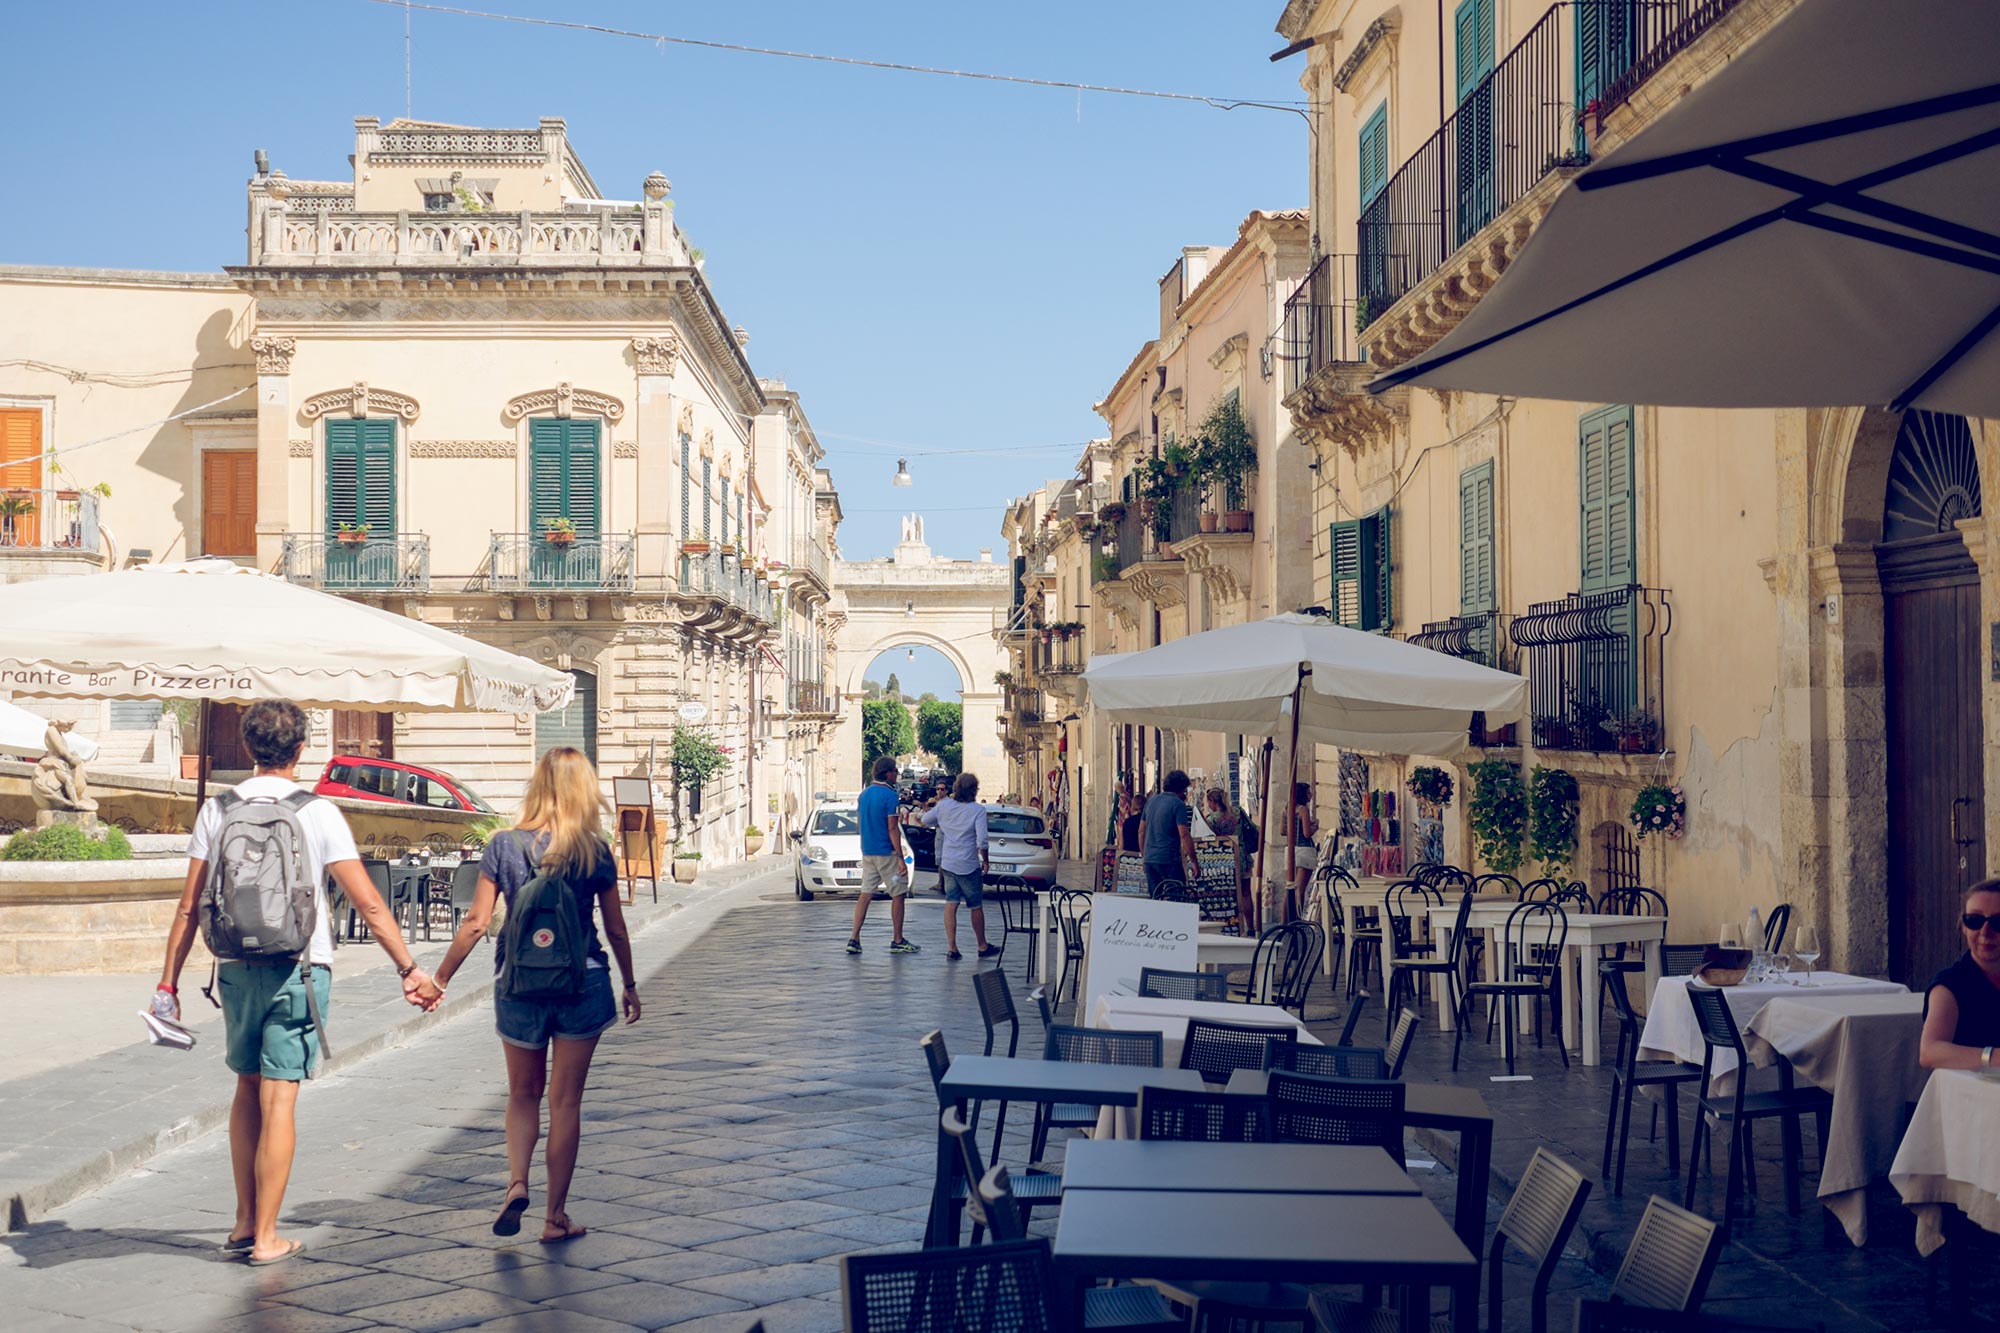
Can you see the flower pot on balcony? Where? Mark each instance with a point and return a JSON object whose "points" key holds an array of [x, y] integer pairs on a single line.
{"points": [[351, 538], [1236, 520], [694, 546], [559, 538], [1209, 520], [727, 548], [190, 767]]}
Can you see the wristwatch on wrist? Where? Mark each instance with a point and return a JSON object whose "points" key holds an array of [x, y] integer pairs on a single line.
{"points": [[404, 972]]}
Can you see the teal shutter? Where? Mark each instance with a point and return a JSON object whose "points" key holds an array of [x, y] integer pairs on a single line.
{"points": [[1476, 581], [1604, 50], [1606, 520], [361, 475], [574, 726], [707, 518], [1372, 153], [1473, 43], [1362, 595], [687, 482], [725, 508], [563, 474], [1344, 541]]}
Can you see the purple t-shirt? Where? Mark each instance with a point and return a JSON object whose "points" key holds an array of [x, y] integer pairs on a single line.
{"points": [[513, 858]]}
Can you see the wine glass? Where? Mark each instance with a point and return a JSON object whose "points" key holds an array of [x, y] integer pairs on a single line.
{"points": [[1805, 947], [1730, 936]]}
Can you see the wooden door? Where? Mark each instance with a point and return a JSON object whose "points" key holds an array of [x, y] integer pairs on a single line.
{"points": [[1936, 787], [229, 502], [369, 734], [226, 751]]}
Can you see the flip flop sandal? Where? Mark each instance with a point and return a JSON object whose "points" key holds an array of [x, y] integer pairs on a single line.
{"points": [[570, 1232], [298, 1248], [509, 1221]]}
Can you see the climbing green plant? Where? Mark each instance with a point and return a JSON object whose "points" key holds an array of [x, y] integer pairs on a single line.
{"points": [[1499, 813], [1552, 819], [697, 760]]}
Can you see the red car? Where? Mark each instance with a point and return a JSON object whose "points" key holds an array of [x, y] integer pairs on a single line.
{"points": [[363, 779]]}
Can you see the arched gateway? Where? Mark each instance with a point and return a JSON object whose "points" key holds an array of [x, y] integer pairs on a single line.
{"points": [[914, 599]]}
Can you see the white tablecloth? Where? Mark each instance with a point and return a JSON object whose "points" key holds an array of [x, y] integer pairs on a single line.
{"points": [[1169, 1018], [1672, 1033], [1863, 1050], [1951, 1154]]}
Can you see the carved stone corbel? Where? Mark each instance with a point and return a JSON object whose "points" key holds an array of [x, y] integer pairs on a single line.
{"points": [[658, 355], [274, 355]]}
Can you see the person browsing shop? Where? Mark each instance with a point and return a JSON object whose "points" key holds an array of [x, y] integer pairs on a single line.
{"points": [[1166, 834]]}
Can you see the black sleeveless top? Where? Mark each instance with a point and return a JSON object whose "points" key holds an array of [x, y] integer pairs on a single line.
{"points": [[1978, 1002]]}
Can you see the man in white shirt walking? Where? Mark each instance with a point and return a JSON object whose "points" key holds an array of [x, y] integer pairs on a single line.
{"points": [[961, 856]]}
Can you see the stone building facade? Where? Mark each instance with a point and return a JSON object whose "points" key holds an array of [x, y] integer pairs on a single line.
{"points": [[468, 388]]}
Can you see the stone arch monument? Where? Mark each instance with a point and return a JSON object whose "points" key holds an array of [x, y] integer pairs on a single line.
{"points": [[914, 599]]}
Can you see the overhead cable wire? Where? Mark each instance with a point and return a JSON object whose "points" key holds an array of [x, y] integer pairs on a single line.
{"points": [[134, 430], [1220, 103]]}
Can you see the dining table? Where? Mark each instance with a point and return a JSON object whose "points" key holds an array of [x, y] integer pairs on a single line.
{"points": [[1169, 1018], [1863, 1050], [1671, 1032], [1254, 1168], [1948, 1157], [1439, 1106], [1583, 935], [1367, 894], [1396, 1240]]}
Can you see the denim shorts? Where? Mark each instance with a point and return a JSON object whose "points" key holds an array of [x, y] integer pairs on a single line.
{"points": [[267, 1026], [967, 888], [530, 1023]]}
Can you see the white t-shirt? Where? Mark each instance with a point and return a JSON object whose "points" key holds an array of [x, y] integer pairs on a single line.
{"points": [[328, 841]]}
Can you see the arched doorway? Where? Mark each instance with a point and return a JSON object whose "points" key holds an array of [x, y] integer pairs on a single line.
{"points": [[1931, 689], [574, 726]]}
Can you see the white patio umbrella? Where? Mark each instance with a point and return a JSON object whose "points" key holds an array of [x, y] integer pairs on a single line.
{"points": [[23, 732], [1812, 226], [215, 631], [1315, 680]]}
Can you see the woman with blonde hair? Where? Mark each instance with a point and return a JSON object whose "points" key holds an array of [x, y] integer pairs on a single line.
{"points": [[558, 834]]}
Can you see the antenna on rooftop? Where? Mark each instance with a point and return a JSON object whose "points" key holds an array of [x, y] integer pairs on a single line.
{"points": [[406, 59]]}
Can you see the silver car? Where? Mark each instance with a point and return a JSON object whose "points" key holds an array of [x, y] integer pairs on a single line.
{"points": [[829, 849], [1019, 847]]}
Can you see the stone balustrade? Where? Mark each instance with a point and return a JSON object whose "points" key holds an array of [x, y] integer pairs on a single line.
{"points": [[603, 237]]}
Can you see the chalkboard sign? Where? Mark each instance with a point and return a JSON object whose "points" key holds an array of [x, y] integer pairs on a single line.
{"points": [[1215, 882]]}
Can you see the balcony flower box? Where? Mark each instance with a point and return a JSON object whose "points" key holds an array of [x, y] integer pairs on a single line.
{"points": [[1112, 512], [1209, 520], [351, 534], [559, 532], [695, 546], [1236, 520], [726, 548]]}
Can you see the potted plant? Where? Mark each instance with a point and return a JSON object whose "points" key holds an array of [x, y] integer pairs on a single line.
{"points": [[1659, 808], [753, 840], [1431, 786], [1499, 813], [1552, 797], [694, 546], [726, 548], [1633, 732], [1112, 512], [1004, 679], [1227, 454], [1103, 567], [351, 534], [685, 866], [1209, 519], [559, 531], [1551, 732]]}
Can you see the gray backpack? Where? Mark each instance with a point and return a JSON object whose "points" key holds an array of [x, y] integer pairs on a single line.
{"points": [[260, 902]]}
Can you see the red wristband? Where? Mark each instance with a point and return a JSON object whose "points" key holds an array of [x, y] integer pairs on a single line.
{"points": [[171, 990]]}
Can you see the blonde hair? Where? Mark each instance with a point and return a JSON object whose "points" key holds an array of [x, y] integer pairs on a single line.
{"points": [[564, 802]]}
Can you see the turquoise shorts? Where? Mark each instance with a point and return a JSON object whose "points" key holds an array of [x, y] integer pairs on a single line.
{"points": [[268, 1028]]}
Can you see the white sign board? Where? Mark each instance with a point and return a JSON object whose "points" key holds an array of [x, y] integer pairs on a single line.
{"points": [[1127, 934], [693, 711]]}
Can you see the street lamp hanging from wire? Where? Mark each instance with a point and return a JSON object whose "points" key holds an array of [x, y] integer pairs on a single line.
{"points": [[902, 473]]}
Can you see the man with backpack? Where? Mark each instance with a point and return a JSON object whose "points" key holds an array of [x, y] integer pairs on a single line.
{"points": [[257, 866]]}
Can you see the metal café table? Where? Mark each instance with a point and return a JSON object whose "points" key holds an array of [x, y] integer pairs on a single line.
{"points": [[1394, 1240], [1012, 1079], [1434, 1106], [1233, 1168]]}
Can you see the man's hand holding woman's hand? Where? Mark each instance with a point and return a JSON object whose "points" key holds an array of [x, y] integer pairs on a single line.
{"points": [[419, 989]]}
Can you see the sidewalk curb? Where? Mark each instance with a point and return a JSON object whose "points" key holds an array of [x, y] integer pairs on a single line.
{"points": [[74, 1176]]}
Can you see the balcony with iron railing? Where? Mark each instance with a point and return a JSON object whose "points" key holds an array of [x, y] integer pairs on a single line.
{"points": [[1596, 669], [386, 562], [812, 558], [1319, 322], [1481, 637], [1059, 654], [726, 580], [810, 696], [1465, 202], [48, 520], [532, 562]]}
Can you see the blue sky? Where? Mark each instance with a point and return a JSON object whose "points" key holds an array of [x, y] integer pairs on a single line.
{"points": [[931, 262]]}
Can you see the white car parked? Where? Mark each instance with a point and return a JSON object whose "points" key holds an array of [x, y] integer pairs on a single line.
{"points": [[829, 849], [1019, 847]]}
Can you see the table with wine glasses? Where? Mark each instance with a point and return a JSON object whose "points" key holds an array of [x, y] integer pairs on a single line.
{"points": [[1672, 1033], [1863, 1050]]}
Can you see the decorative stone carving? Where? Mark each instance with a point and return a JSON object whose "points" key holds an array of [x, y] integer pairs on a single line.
{"points": [[625, 449], [656, 186], [579, 608], [565, 400], [1234, 346], [463, 448], [684, 424], [359, 401], [59, 783], [708, 444], [299, 448], [1333, 408], [1161, 582], [544, 608], [1380, 31], [656, 356], [274, 355], [1222, 559]]}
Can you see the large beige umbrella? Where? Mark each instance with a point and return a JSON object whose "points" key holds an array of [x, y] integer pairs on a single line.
{"points": [[215, 631]]}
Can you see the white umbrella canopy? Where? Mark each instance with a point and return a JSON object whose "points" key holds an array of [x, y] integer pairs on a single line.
{"points": [[213, 630], [22, 732], [1813, 226], [1356, 689]]}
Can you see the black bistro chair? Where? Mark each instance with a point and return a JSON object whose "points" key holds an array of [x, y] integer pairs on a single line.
{"points": [[1628, 1074], [1038, 1188], [1072, 912], [1329, 1061], [1777, 927], [1002, 1288], [1615, 962], [1130, 1309], [1329, 879], [1218, 1050], [1202, 1117], [1281, 970], [1737, 1110], [1309, 1109], [1681, 960], [1017, 917], [1166, 984], [1354, 1008], [1104, 1046], [1406, 974], [464, 887], [1529, 967]]}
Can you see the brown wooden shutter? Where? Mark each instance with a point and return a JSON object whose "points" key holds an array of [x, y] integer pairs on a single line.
{"points": [[229, 502], [21, 469]]}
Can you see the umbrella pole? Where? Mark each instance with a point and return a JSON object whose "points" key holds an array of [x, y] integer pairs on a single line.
{"points": [[1252, 917], [1291, 782], [201, 760]]}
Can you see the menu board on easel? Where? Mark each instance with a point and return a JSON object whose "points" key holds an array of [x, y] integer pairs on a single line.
{"points": [[638, 834], [1215, 882]]}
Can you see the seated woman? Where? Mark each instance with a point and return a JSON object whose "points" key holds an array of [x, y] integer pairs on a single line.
{"points": [[1962, 1011]]}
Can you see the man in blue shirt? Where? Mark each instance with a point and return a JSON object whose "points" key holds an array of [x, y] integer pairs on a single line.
{"points": [[1166, 834], [961, 856], [882, 856]]}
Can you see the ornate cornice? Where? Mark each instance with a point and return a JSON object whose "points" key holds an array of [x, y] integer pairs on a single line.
{"points": [[1222, 559], [657, 356], [1237, 344], [1333, 407], [463, 448], [1380, 31], [274, 355], [359, 401], [1161, 582], [565, 400]]}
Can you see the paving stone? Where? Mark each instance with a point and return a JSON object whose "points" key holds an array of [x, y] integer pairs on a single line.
{"points": [[548, 1320], [540, 1282], [790, 1213], [768, 1286], [793, 1245], [647, 1305], [456, 1263], [274, 1318], [355, 1293], [453, 1309], [680, 1266]]}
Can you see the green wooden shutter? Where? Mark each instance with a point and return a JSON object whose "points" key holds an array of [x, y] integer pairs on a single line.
{"points": [[1604, 48], [574, 726], [687, 482], [1372, 155], [1473, 43], [1476, 581], [1378, 607], [1606, 519], [361, 475], [1344, 541], [582, 485], [563, 474], [707, 518]]}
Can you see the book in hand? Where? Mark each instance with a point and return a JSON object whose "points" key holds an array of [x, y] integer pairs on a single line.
{"points": [[166, 1032]]}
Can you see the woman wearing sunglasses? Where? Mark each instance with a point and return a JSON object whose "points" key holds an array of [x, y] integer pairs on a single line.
{"points": [[1962, 1011]]}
